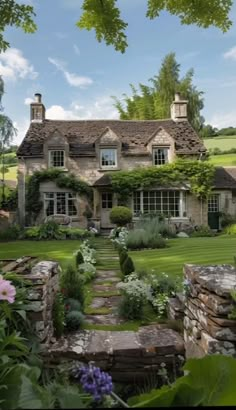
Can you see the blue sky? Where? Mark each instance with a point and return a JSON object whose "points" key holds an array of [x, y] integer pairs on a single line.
{"points": [[77, 75]]}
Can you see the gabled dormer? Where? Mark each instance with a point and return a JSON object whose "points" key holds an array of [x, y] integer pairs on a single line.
{"points": [[161, 146], [56, 150], [108, 148]]}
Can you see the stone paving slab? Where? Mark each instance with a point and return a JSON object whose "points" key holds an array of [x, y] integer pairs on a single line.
{"points": [[104, 288], [111, 273], [106, 279], [109, 319], [112, 301]]}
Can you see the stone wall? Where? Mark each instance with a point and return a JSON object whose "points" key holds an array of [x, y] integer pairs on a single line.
{"points": [[44, 281], [207, 329]]}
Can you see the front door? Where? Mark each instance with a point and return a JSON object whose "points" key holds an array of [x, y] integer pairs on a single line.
{"points": [[106, 206], [213, 212]]}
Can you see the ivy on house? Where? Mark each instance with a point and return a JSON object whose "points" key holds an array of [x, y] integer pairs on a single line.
{"points": [[62, 180], [198, 174]]}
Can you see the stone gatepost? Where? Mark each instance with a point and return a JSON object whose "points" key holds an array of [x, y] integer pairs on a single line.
{"points": [[207, 328], [43, 284]]}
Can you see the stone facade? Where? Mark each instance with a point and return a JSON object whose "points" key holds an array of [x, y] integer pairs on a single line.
{"points": [[207, 328]]}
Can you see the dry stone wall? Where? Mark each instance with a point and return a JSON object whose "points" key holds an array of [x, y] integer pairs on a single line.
{"points": [[207, 329]]}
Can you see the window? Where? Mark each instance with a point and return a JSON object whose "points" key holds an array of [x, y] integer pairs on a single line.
{"points": [[59, 203], [160, 155], [108, 157], [213, 203], [107, 200], [57, 158], [169, 203]]}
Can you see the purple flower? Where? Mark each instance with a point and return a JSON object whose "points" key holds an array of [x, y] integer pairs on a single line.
{"points": [[94, 381], [7, 291]]}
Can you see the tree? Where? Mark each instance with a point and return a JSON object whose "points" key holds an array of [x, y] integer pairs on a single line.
{"points": [[7, 132], [103, 16], [154, 102], [208, 131]]}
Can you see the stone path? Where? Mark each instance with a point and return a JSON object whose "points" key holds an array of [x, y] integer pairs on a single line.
{"points": [[103, 307]]}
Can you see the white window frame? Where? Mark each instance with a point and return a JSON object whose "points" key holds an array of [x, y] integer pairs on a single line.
{"points": [[50, 152], [107, 149], [213, 203], [182, 203], [155, 148], [55, 204]]}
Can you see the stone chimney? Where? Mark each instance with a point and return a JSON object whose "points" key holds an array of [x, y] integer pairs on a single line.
{"points": [[37, 109], [179, 109]]}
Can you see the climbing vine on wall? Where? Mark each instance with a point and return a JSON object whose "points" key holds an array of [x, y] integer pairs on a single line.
{"points": [[61, 179], [198, 174]]}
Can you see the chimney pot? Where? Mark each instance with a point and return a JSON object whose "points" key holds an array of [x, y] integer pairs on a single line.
{"points": [[38, 98]]}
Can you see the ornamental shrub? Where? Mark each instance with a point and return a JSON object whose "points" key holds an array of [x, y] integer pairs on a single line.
{"points": [[58, 314], [121, 215], [72, 304], [49, 230], [74, 320], [230, 230], [123, 255], [11, 233], [72, 285], [88, 271], [128, 266], [79, 259], [203, 230]]}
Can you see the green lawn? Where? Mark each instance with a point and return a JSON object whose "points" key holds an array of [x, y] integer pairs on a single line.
{"points": [[224, 143], [12, 173], [223, 160], [61, 251], [202, 251]]}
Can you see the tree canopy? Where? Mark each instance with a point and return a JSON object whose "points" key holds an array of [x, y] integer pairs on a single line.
{"points": [[153, 102], [104, 16]]}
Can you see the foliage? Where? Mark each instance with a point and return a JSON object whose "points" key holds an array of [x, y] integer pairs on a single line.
{"points": [[62, 180], [79, 258], [148, 233], [207, 382], [154, 102], [10, 234], [88, 271], [104, 17], [88, 253], [232, 314], [198, 173], [42, 231], [10, 202], [72, 304], [201, 231], [128, 266], [207, 131], [74, 320], [231, 229], [118, 237], [121, 215], [72, 284], [49, 230], [58, 314], [123, 255]]}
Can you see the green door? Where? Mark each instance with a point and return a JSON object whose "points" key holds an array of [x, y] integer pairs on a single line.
{"points": [[213, 212]]}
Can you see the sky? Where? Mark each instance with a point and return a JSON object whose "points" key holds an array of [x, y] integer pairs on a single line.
{"points": [[77, 76]]}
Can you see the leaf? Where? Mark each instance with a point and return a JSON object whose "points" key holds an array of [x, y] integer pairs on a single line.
{"points": [[29, 398], [71, 398]]}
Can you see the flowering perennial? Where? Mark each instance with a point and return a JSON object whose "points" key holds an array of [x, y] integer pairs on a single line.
{"points": [[94, 381], [7, 291]]}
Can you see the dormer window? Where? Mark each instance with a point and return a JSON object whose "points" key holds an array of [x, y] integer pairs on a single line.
{"points": [[108, 158], [160, 155], [57, 158]]}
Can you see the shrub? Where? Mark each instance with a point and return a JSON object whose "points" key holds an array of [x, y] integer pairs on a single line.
{"points": [[202, 230], [10, 234], [74, 233], [227, 219], [230, 230], [49, 230], [58, 314], [74, 320], [72, 284], [128, 266], [121, 215], [79, 258], [72, 304], [140, 239], [123, 255], [32, 233], [88, 271]]}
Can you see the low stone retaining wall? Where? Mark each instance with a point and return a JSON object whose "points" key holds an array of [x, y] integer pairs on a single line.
{"points": [[128, 356], [43, 284], [207, 329]]}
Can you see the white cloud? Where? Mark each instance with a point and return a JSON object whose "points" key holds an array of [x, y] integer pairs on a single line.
{"points": [[14, 65], [76, 49], [230, 54], [222, 120], [28, 101], [21, 126], [101, 108], [73, 79]]}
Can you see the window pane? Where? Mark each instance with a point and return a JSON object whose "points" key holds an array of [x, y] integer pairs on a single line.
{"points": [[167, 202], [107, 200], [213, 203], [108, 157], [49, 206], [160, 156], [72, 211], [61, 203], [57, 158]]}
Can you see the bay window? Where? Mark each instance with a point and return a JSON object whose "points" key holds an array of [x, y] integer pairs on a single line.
{"points": [[169, 203], [62, 203]]}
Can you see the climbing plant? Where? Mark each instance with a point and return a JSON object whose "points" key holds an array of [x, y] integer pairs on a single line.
{"points": [[62, 180], [198, 174]]}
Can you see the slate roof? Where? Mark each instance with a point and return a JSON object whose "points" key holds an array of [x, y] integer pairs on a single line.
{"points": [[134, 136], [225, 178]]}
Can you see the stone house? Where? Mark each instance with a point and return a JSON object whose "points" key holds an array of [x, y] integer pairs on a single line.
{"points": [[92, 149]]}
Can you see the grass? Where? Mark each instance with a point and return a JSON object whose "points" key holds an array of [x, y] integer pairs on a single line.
{"points": [[201, 251], [224, 143], [12, 173], [61, 251], [223, 160]]}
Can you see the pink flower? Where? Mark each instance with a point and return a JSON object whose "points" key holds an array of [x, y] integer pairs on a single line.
{"points": [[7, 291]]}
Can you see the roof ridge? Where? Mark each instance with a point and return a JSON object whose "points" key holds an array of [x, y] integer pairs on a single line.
{"points": [[107, 119]]}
